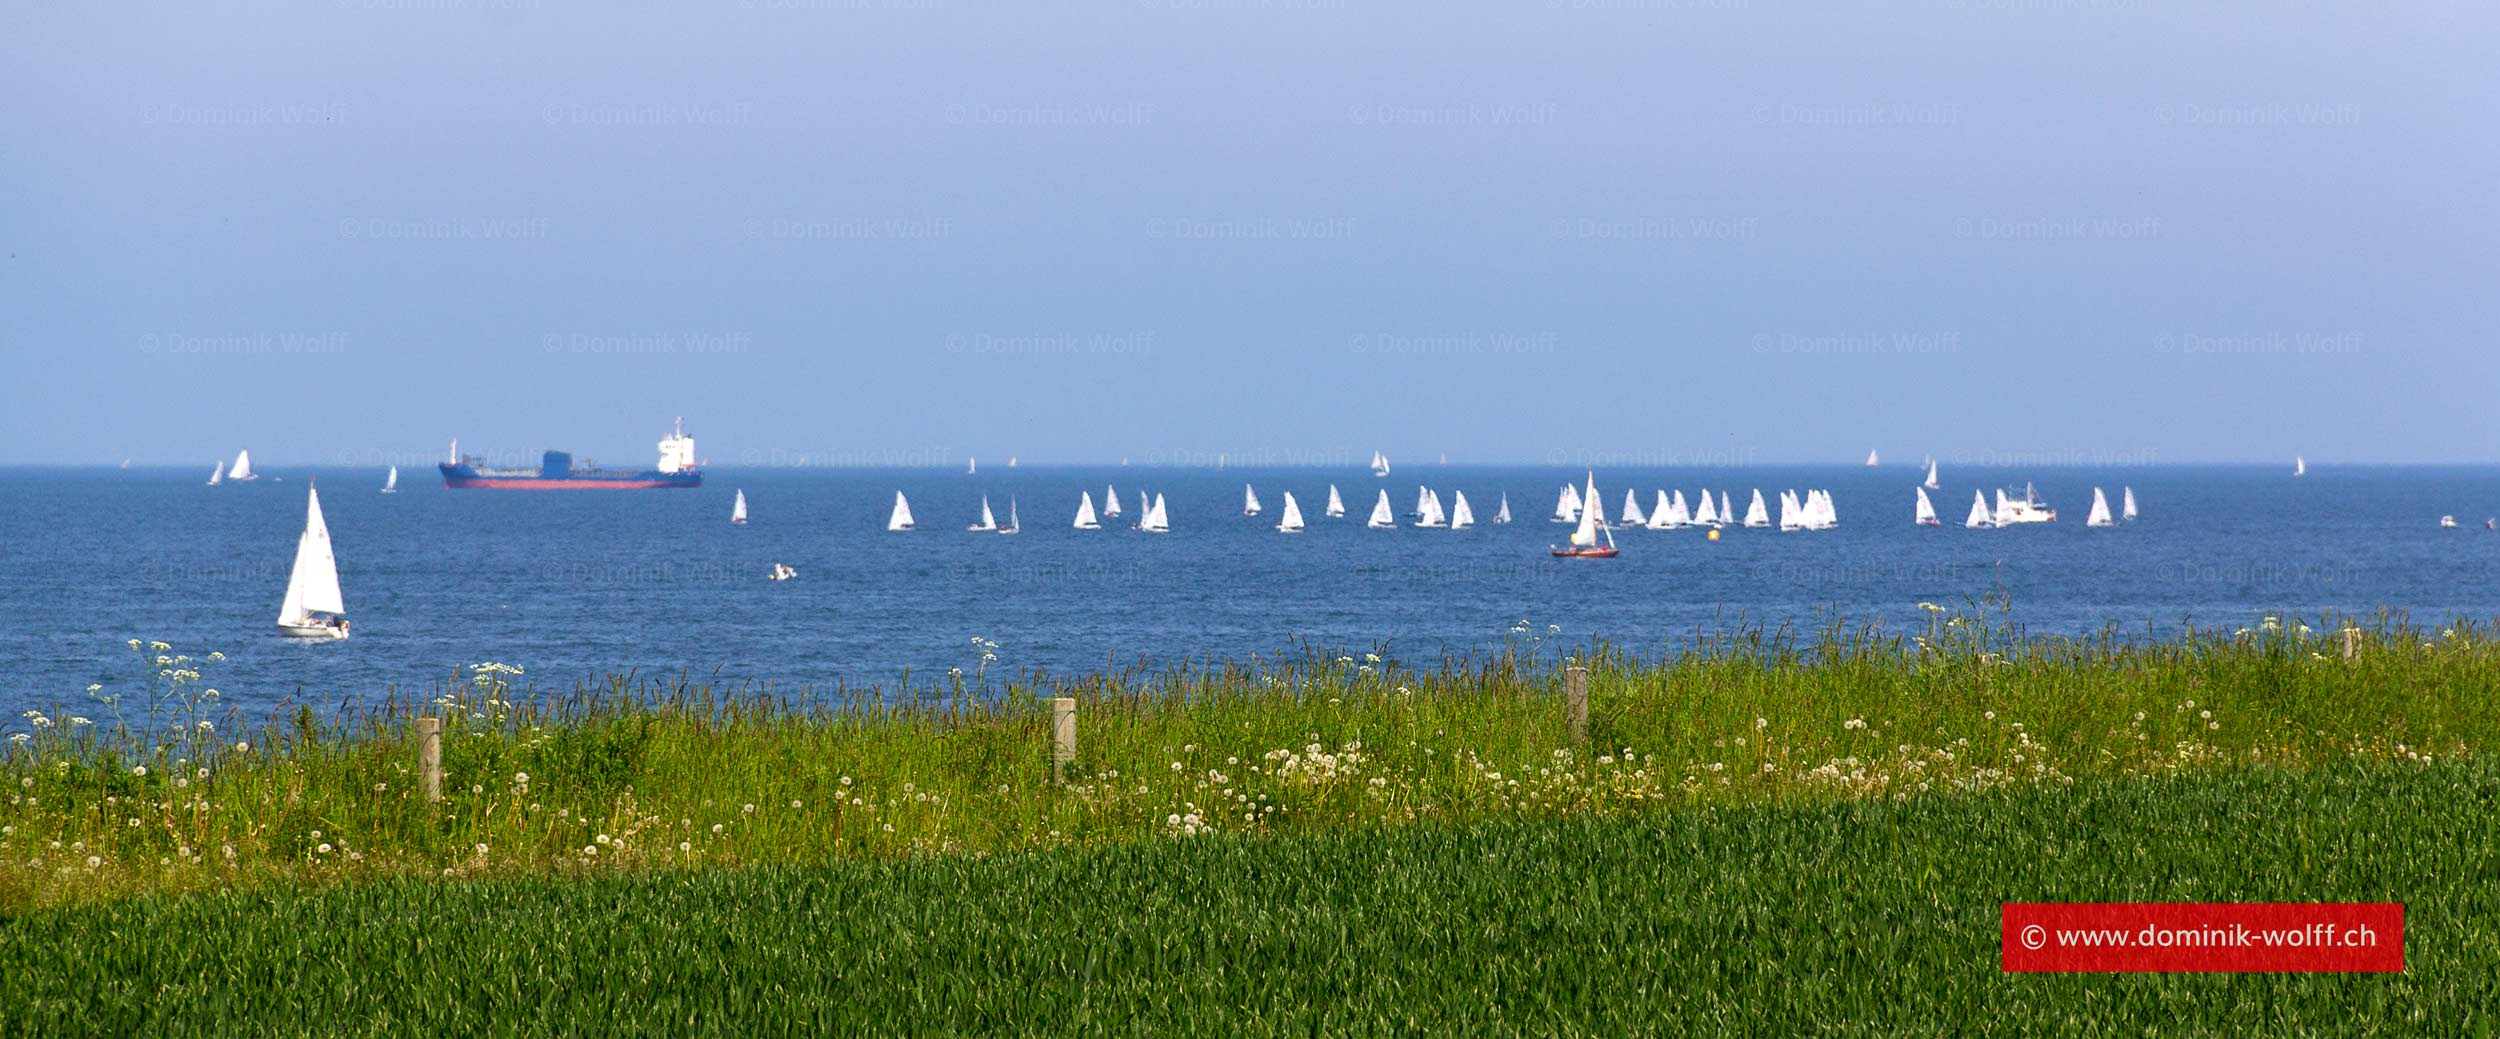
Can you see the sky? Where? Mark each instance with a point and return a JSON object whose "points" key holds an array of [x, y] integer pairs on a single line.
{"points": [[861, 232]]}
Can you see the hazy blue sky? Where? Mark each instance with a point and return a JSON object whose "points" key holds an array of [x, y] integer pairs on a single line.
{"points": [[866, 231]]}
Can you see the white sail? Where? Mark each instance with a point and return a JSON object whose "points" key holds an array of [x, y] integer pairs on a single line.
{"points": [[390, 483], [1979, 514], [1380, 464], [1632, 509], [1383, 517], [1931, 483], [1156, 521], [1336, 505], [1110, 502], [971, 466], [1461, 517], [1757, 514], [1727, 511], [988, 521], [1707, 513], [1926, 509], [1430, 514], [1292, 521], [2005, 513], [2100, 511], [1659, 517], [216, 473], [901, 519], [1789, 511], [738, 508], [454, 457], [1503, 516], [1567, 508], [1677, 515], [313, 586], [1249, 500], [2126, 507], [1423, 502], [1870, 460], [242, 468], [1013, 524], [1592, 519], [1085, 512], [2300, 467]]}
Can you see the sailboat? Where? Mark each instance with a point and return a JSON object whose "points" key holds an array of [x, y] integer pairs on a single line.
{"points": [[988, 522], [901, 519], [2100, 511], [1380, 464], [216, 473], [1727, 512], [780, 572], [1461, 517], [1980, 517], [2448, 522], [1502, 518], [1632, 510], [1661, 516], [1792, 516], [1110, 501], [1336, 505], [390, 483], [1013, 524], [738, 509], [1085, 512], [1383, 517], [242, 468], [2126, 507], [1423, 503], [1707, 515], [1292, 521], [2300, 467], [313, 609], [1927, 510], [1429, 512], [1249, 500], [1567, 508], [1592, 528], [1931, 483], [1155, 521], [1871, 462], [971, 466], [1757, 514]]}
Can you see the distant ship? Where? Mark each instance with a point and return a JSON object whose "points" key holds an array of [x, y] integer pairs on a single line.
{"points": [[556, 471]]}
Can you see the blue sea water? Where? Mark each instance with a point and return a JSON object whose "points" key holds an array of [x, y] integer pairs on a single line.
{"points": [[574, 586]]}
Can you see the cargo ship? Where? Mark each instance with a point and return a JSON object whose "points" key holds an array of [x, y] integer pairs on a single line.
{"points": [[556, 471]]}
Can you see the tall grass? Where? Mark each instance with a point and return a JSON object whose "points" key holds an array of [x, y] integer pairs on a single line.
{"points": [[637, 775]]}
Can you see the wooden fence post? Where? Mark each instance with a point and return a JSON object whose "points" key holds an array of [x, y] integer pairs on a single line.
{"points": [[1576, 703], [1062, 737], [2352, 643], [430, 758]]}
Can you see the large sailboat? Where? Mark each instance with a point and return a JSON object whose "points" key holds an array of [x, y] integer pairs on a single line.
{"points": [[313, 609], [1292, 521], [1085, 512], [1926, 510], [901, 517], [1586, 538], [738, 509], [1383, 517]]}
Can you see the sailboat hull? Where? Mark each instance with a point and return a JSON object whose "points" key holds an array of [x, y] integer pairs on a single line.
{"points": [[311, 631], [1590, 552]]}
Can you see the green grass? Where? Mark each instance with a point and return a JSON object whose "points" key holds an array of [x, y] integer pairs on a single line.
{"points": [[638, 777], [1869, 917]]}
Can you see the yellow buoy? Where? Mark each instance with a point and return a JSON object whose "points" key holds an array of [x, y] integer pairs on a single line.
{"points": [[1714, 534]]}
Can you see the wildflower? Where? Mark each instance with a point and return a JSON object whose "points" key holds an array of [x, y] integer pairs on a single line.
{"points": [[324, 848], [590, 849], [716, 827], [481, 851], [139, 770], [794, 802], [1760, 724], [1854, 723], [603, 838], [749, 809], [94, 861], [685, 845]]}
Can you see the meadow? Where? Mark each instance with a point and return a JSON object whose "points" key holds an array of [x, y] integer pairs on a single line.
{"points": [[157, 790], [1849, 917]]}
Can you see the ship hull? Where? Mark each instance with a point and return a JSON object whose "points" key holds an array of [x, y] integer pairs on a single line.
{"points": [[461, 477]]}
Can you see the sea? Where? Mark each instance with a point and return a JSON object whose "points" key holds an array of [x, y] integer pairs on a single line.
{"points": [[578, 586]]}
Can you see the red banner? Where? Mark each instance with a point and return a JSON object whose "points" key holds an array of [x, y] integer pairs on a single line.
{"points": [[2204, 936]]}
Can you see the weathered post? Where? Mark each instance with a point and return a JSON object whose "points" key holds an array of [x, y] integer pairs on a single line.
{"points": [[1062, 737], [2352, 643], [430, 758], [1576, 703]]}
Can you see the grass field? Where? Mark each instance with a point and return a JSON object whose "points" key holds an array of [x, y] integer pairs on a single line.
{"points": [[1868, 917], [167, 792]]}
